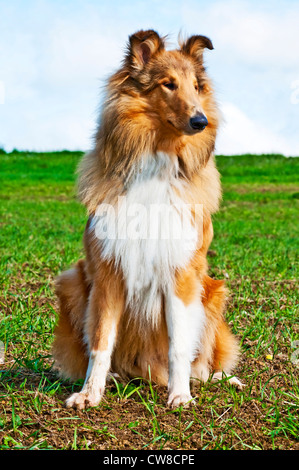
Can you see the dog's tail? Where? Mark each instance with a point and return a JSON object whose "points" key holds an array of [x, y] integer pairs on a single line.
{"points": [[69, 350]]}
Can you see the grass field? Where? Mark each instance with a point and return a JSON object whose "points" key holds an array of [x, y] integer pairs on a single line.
{"points": [[255, 249]]}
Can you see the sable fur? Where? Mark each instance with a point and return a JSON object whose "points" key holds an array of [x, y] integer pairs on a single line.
{"points": [[138, 118]]}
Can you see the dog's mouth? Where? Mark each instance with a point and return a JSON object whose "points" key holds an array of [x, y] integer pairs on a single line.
{"points": [[191, 131], [178, 129]]}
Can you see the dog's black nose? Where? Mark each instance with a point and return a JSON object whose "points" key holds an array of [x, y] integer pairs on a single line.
{"points": [[199, 121]]}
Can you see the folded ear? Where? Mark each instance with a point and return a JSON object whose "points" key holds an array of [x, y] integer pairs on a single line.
{"points": [[195, 46], [142, 46]]}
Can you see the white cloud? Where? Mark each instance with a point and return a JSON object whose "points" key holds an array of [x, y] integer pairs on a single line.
{"points": [[253, 66], [255, 33], [240, 134], [57, 55], [77, 52], [2, 92]]}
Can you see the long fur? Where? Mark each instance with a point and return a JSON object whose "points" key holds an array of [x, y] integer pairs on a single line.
{"points": [[147, 304]]}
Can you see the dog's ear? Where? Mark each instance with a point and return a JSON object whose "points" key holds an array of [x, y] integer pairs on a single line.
{"points": [[196, 45], [142, 46]]}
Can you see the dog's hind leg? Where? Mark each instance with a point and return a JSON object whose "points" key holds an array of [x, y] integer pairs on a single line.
{"points": [[219, 350], [103, 313], [69, 351]]}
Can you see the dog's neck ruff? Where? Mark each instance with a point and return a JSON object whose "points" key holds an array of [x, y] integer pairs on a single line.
{"points": [[148, 233], [160, 165]]}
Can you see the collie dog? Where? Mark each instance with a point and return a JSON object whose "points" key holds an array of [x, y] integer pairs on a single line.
{"points": [[141, 303]]}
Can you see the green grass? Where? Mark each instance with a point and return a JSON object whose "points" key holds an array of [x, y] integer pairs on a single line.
{"points": [[255, 248]]}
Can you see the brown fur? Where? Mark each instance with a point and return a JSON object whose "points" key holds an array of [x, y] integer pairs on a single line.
{"points": [[141, 115]]}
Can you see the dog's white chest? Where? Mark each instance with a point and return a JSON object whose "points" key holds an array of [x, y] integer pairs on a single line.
{"points": [[148, 233]]}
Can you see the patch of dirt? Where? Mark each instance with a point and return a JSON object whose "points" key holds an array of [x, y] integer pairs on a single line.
{"points": [[220, 417]]}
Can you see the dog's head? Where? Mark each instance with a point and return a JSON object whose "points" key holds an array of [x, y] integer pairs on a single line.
{"points": [[172, 82]]}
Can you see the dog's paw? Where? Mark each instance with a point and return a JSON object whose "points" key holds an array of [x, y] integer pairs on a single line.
{"points": [[82, 400], [183, 399], [218, 376], [237, 383], [112, 376]]}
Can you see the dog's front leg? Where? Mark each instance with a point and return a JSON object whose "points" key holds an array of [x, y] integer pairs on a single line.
{"points": [[102, 319], [183, 324]]}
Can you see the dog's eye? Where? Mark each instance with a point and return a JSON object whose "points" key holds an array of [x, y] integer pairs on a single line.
{"points": [[170, 85], [196, 87]]}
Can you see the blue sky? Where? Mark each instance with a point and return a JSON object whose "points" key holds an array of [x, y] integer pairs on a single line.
{"points": [[55, 56]]}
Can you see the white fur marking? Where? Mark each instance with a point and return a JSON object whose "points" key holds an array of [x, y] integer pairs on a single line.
{"points": [[94, 385], [185, 328], [233, 380], [149, 233]]}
